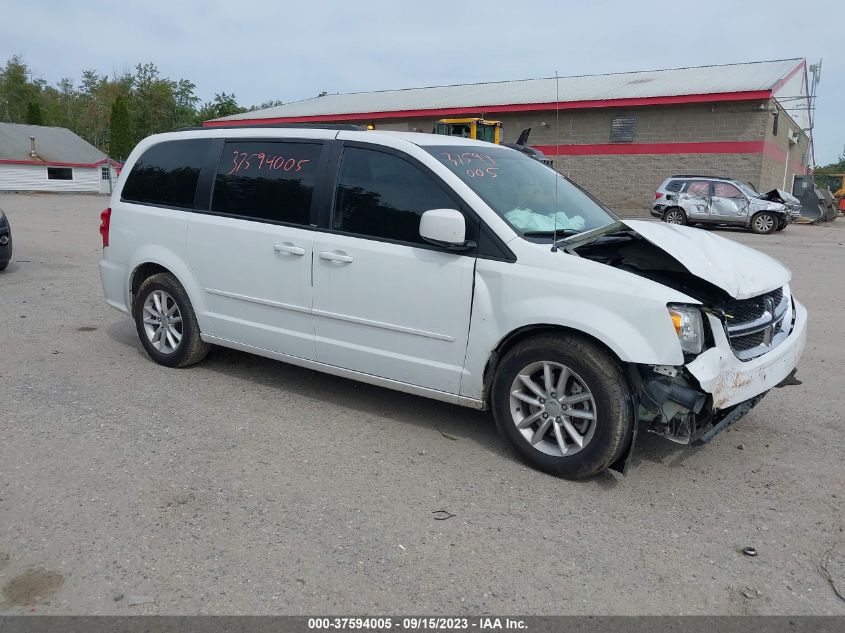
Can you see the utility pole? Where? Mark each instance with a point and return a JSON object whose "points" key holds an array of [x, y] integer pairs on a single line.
{"points": [[816, 73]]}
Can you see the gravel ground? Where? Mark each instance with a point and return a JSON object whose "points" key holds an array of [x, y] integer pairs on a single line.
{"points": [[245, 485]]}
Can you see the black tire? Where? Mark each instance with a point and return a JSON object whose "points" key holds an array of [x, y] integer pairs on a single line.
{"points": [[602, 376], [781, 225], [191, 348], [4, 264], [670, 215], [764, 223]]}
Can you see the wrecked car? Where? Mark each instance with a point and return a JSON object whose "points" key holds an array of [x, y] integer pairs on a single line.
{"points": [[687, 199], [451, 269]]}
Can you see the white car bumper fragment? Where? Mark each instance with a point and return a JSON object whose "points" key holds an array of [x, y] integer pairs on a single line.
{"points": [[731, 381]]}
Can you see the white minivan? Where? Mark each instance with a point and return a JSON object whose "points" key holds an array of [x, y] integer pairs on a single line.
{"points": [[452, 269]]}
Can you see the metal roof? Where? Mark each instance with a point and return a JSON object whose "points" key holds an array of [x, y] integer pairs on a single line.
{"points": [[55, 145], [704, 80]]}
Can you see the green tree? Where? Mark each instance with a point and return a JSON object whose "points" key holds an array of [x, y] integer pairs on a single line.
{"points": [[92, 125], [184, 104], [120, 130], [33, 114], [151, 103], [272, 103], [222, 105], [838, 167], [17, 91]]}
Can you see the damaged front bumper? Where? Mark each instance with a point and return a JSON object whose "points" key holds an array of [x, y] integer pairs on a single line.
{"points": [[731, 381], [692, 403]]}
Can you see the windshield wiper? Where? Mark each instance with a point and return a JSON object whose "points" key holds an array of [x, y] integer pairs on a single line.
{"points": [[581, 238], [561, 232]]}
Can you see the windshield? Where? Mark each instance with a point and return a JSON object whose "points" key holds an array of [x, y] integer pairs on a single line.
{"points": [[746, 188], [533, 198]]}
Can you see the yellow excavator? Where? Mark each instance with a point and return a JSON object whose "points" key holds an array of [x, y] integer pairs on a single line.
{"points": [[491, 131], [836, 185], [474, 128]]}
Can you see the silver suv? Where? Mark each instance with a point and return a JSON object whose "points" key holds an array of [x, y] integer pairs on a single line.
{"points": [[688, 199]]}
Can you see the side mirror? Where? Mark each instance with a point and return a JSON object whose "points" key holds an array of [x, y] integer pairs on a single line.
{"points": [[445, 227]]}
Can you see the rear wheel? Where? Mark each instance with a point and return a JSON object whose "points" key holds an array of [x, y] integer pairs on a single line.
{"points": [[166, 323], [564, 404], [764, 223], [675, 215]]}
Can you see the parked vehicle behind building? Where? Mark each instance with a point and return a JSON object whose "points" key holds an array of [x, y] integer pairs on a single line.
{"points": [[451, 269], [688, 199]]}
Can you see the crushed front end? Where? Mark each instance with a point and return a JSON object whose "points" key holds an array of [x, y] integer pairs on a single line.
{"points": [[750, 346]]}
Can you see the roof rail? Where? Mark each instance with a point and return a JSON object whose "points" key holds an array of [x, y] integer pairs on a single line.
{"points": [[702, 176], [317, 126]]}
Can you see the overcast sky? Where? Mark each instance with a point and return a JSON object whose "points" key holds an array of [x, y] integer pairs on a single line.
{"points": [[262, 50]]}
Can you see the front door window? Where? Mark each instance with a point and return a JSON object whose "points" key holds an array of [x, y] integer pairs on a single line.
{"points": [[383, 196]]}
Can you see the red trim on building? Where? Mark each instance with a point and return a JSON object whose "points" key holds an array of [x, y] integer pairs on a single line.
{"points": [[748, 95], [711, 147], [9, 161], [770, 150]]}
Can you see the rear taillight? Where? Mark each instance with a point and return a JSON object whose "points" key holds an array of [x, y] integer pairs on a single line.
{"points": [[658, 195], [105, 221]]}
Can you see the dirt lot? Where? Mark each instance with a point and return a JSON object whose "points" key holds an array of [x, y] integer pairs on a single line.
{"points": [[245, 485]]}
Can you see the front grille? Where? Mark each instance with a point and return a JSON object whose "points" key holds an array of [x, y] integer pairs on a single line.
{"points": [[742, 343], [745, 310], [757, 325]]}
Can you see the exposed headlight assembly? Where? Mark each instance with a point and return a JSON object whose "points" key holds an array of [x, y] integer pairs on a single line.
{"points": [[689, 327]]}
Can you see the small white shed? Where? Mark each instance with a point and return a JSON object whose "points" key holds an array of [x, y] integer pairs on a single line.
{"points": [[42, 158]]}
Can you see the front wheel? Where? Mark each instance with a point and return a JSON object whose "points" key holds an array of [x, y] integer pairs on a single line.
{"points": [[675, 216], [781, 225], [166, 323], [564, 404], [764, 223]]}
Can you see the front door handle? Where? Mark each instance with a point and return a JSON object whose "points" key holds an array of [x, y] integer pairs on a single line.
{"points": [[290, 249], [336, 256]]}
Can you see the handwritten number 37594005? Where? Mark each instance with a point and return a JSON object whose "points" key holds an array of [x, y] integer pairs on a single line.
{"points": [[241, 161]]}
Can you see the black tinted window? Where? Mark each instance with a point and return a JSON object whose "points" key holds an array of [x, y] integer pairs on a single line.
{"points": [[59, 173], [269, 181], [383, 195], [167, 173], [675, 185]]}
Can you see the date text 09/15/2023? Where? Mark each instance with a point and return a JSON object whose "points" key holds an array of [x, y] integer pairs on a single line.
{"points": [[416, 623]]}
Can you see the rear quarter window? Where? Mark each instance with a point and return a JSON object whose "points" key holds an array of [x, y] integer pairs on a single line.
{"points": [[167, 174], [675, 185]]}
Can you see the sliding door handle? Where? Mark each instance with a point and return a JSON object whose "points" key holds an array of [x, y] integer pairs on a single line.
{"points": [[336, 256], [290, 249]]}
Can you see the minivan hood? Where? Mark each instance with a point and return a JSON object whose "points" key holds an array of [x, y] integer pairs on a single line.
{"points": [[740, 271]]}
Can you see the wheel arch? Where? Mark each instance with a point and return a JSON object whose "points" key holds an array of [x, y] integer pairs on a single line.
{"points": [[142, 272], [159, 260], [525, 332], [674, 207]]}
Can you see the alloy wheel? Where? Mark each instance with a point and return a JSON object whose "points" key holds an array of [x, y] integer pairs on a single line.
{"points": [[764, 223], [162, 322], [553, 408], [674, 217]]}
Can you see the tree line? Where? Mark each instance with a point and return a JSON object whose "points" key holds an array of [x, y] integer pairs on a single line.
{"points": [[112, 113]]}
